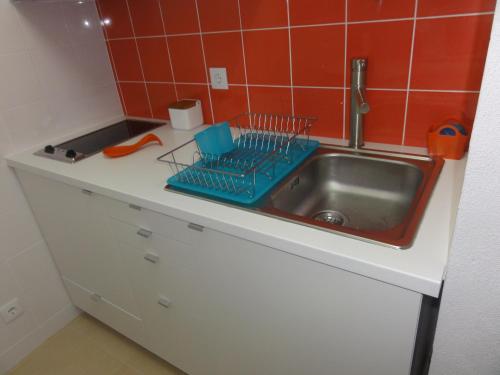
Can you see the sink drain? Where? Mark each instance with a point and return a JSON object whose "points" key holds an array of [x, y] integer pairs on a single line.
{"points": [[331, 217]]}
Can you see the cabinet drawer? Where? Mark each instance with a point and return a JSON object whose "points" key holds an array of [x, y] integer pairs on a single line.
{"points": [[151, 251], [145, 236], [155, 222], [103, 310]]}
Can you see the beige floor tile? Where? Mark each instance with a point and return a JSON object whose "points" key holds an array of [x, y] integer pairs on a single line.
{"points": [[22, 369], [55, 355], [84, 323], [126, 350], [148, 363], [70, 370], [126, 370], [94, 360], [114, 343], [88, 347]]}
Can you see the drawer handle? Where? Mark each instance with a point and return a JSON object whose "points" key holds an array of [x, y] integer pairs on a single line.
{"points": [[86, 192], [144, 233], [152, 257], [164, 301], [135, 207], [96, 297], [196, 227]]}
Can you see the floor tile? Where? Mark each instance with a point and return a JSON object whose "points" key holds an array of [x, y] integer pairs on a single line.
{"points": [[126, 370], [88, 347], [147, 363], [94, 360]]}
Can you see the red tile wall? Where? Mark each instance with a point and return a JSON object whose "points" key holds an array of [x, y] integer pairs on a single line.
{"points": [[425, 59]]}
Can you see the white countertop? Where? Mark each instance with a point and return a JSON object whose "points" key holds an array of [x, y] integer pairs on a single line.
{"points": [[139, 179]]}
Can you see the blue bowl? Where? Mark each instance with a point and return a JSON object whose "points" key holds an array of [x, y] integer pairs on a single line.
{"points": [[215, 140]]}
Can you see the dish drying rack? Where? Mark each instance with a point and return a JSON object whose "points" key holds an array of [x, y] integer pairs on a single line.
{"points": [[266, 148]]}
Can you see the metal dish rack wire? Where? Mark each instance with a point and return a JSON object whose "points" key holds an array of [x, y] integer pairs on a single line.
{"points": [[261, 143]]}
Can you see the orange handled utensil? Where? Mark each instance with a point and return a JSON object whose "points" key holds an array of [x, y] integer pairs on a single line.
{"points": [[117, 151]]}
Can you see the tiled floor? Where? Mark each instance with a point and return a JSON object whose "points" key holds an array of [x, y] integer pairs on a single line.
{"points": [[85, 347]]}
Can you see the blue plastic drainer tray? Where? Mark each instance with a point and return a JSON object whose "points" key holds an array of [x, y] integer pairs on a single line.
{"points": [[250, 192]]}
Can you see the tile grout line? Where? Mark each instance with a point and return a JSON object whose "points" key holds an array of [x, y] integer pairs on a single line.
{"points": [[447, 91], [324, 24], [172, 69], [312, 87], [318, 87], [244, 58], [471, 14], [290, 55], [412, 48], [316, 25], [205, 62], [168, 51], [385, 89], [140, 59], [139, 37], [344, 104], [382, 20], [110, 53]]}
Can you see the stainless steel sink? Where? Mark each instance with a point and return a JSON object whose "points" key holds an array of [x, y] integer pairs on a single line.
{"points": [[376, 196]]}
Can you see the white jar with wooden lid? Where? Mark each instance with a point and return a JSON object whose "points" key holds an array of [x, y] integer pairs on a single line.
{"points": [[186, 114]]}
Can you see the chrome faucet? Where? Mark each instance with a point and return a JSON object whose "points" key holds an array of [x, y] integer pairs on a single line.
{"points": [[359, 105]]}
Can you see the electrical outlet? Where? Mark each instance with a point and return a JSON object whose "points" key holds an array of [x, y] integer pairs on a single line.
{"points": [[218, 77], [11, 310]]}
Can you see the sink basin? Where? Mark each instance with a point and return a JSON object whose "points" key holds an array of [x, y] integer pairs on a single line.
{"points": [[375, 196]]}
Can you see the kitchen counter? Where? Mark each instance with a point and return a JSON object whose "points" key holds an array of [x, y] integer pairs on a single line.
{"points": [[140, 179]]}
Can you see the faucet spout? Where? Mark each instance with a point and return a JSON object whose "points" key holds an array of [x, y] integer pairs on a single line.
{"points": [[359, 104]]}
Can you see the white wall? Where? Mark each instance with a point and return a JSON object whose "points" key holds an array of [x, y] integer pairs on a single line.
{"points": [[55, 78], [468, 332]]}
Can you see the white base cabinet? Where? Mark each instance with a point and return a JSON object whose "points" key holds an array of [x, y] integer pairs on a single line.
{"points": [[211, 303]]}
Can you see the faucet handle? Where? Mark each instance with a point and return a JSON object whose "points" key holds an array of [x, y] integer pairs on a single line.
{"points": [[362, 105], [364, 108]]}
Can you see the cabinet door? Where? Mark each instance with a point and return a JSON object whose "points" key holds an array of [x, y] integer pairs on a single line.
{"points": [[75, 226], [274, 313], [166, 288]]}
